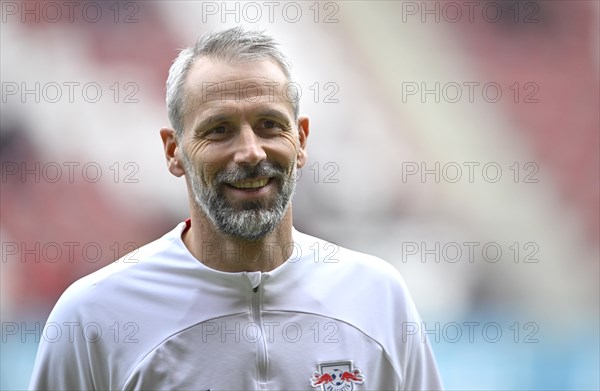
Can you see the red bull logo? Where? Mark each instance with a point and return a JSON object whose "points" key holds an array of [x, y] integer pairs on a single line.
{"points": [[336, 376]]}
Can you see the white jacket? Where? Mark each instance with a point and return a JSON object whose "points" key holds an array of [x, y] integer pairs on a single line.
{"points": [[158, 319]]}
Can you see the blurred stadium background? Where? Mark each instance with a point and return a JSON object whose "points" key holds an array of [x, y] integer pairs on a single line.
{"points": [[525, 320]]}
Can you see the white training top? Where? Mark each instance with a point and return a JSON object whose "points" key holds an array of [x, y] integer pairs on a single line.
{"points": [[327, 319]]}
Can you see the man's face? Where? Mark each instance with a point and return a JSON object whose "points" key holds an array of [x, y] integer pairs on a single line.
{"points": [[241, 145]]}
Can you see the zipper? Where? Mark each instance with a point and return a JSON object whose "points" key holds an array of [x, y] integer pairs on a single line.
{"points": [[261, 344]]}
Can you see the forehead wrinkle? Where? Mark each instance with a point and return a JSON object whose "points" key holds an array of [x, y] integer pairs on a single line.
{"points": [[210, 70], [241, 89]]}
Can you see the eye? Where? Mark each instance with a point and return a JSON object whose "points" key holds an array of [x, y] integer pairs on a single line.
{"points": [[268, 124], [217, 132], [221, 129], [274, 127]]}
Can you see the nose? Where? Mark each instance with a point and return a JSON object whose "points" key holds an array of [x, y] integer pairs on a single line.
{"points": [[249, 148]]}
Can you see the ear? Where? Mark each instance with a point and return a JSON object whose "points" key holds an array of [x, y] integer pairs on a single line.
{"points": [[302, 136], [174, 163]]}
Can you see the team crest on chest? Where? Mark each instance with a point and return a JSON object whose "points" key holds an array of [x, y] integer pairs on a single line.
{"points": [[336, 376]]}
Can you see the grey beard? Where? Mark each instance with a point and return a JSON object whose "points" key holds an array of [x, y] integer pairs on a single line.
{"points": [[252, 221]]}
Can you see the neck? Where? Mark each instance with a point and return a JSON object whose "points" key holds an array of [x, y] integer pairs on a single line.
{"points": [[230, 254]]}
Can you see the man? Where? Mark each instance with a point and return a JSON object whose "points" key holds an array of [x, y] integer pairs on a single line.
{"points": [[235, 298]]}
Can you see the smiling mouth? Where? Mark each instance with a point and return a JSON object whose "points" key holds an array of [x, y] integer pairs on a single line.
{"points": [[250, 184]]}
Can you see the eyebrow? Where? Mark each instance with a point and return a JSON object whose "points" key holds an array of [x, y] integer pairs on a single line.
{"points": [[217, 118], [209, 121], [272, 113], [212, 119]]}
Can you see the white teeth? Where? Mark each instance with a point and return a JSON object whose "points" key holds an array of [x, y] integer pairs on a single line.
{"points": [[250, 185]]}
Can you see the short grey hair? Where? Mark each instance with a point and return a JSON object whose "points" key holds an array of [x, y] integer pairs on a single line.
{"points": [[230, 45]]}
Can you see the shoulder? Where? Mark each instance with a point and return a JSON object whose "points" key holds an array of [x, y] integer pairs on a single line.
{"points": [[109, 285], [105, 317], [359, 289], [351, 285], [349, 265]]}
